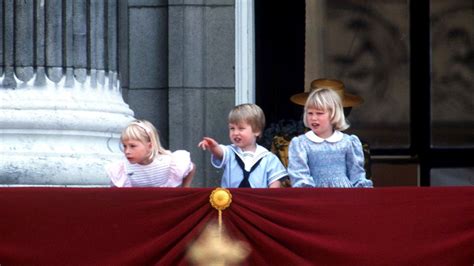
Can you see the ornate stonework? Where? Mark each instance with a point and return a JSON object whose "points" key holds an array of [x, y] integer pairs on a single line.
{"points": [[61, 109]]}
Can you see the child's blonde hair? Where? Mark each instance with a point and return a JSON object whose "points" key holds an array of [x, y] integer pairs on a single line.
{"points": [[145, 132], [250, 113], [328, 100]]}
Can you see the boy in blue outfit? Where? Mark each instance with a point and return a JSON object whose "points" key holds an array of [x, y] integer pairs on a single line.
{"points": [[245, 163]]}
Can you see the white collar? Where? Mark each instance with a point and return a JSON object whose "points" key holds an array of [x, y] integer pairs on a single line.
{"points": [[250, 158], [335, 137], [259, 151]]}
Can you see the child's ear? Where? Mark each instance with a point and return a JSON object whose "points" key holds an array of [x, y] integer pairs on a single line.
{"points": [[257, 134]]}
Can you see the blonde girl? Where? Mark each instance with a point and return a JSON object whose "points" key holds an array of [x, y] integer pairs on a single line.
{"points": [[147, 163], [324, 156]]}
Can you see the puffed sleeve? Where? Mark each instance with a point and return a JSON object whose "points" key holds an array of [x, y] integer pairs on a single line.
{"points": [[117, 173], [180, 166], [298, 168], [275, 169], [355, 164]]}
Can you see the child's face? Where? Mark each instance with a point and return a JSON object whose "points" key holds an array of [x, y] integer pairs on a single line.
{"points": [[137, 151], [319, 122], [242, 136]]}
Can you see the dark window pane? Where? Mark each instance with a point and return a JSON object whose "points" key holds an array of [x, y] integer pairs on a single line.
{"points": [[394, 174], [452, 177], [452, 84], [366, 46]]}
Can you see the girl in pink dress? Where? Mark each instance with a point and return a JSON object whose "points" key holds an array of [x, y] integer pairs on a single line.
{"points": [[147, 163]]}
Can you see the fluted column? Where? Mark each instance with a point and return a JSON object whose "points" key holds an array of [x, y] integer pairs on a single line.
{"points": [[61, 109]]}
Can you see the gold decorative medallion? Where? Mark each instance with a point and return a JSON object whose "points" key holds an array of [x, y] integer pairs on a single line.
{"points": [[220, 198]]}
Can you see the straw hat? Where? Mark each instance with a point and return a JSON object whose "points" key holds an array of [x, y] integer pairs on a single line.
{"points": [[348, 100]]}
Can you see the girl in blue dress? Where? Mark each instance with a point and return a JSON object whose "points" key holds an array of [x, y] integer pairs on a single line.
{"points": [[324, 156]]}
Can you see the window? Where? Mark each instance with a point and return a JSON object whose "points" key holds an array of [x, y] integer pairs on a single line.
{"points": [[411, 61]]}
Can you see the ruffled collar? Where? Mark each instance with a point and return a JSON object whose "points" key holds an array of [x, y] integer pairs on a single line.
{"points": [[335, 137]]}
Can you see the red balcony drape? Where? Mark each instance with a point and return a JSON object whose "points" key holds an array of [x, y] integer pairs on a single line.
{"points": [[155, 226]]}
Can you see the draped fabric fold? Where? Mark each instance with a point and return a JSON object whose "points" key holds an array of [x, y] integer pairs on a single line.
{"points": [[155, 226]]}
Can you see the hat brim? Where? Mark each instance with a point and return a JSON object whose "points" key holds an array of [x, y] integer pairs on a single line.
{"points": [[349, 100]]}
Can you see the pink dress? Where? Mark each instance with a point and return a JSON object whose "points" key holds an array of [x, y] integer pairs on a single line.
{"points": [[166, 170]]}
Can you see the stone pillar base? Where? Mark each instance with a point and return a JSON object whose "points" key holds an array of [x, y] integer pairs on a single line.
{"points": [[60, 136]]}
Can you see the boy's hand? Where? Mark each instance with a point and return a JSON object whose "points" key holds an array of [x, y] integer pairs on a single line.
{"points": [[213, 146], [207, 143]]}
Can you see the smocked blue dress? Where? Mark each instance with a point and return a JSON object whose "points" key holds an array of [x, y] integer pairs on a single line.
{"points": [[337, 161]]}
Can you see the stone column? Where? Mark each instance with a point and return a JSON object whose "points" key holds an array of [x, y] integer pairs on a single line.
{"points": [[61, 108], [201, 78]]}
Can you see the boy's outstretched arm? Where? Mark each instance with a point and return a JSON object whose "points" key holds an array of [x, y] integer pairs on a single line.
{"points": [[212, 146]]}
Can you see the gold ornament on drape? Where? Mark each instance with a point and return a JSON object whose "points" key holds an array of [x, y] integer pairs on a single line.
{"points": [[220, 199], [214, 247]]}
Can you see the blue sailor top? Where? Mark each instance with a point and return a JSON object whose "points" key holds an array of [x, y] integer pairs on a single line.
{"points": [[337, 161], [269, 169]]}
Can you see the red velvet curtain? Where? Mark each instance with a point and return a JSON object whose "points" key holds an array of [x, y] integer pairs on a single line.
{"points": [[154, 226]]}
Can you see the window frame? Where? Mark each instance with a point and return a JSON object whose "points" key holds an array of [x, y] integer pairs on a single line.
{"points": [[428, 156]]}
